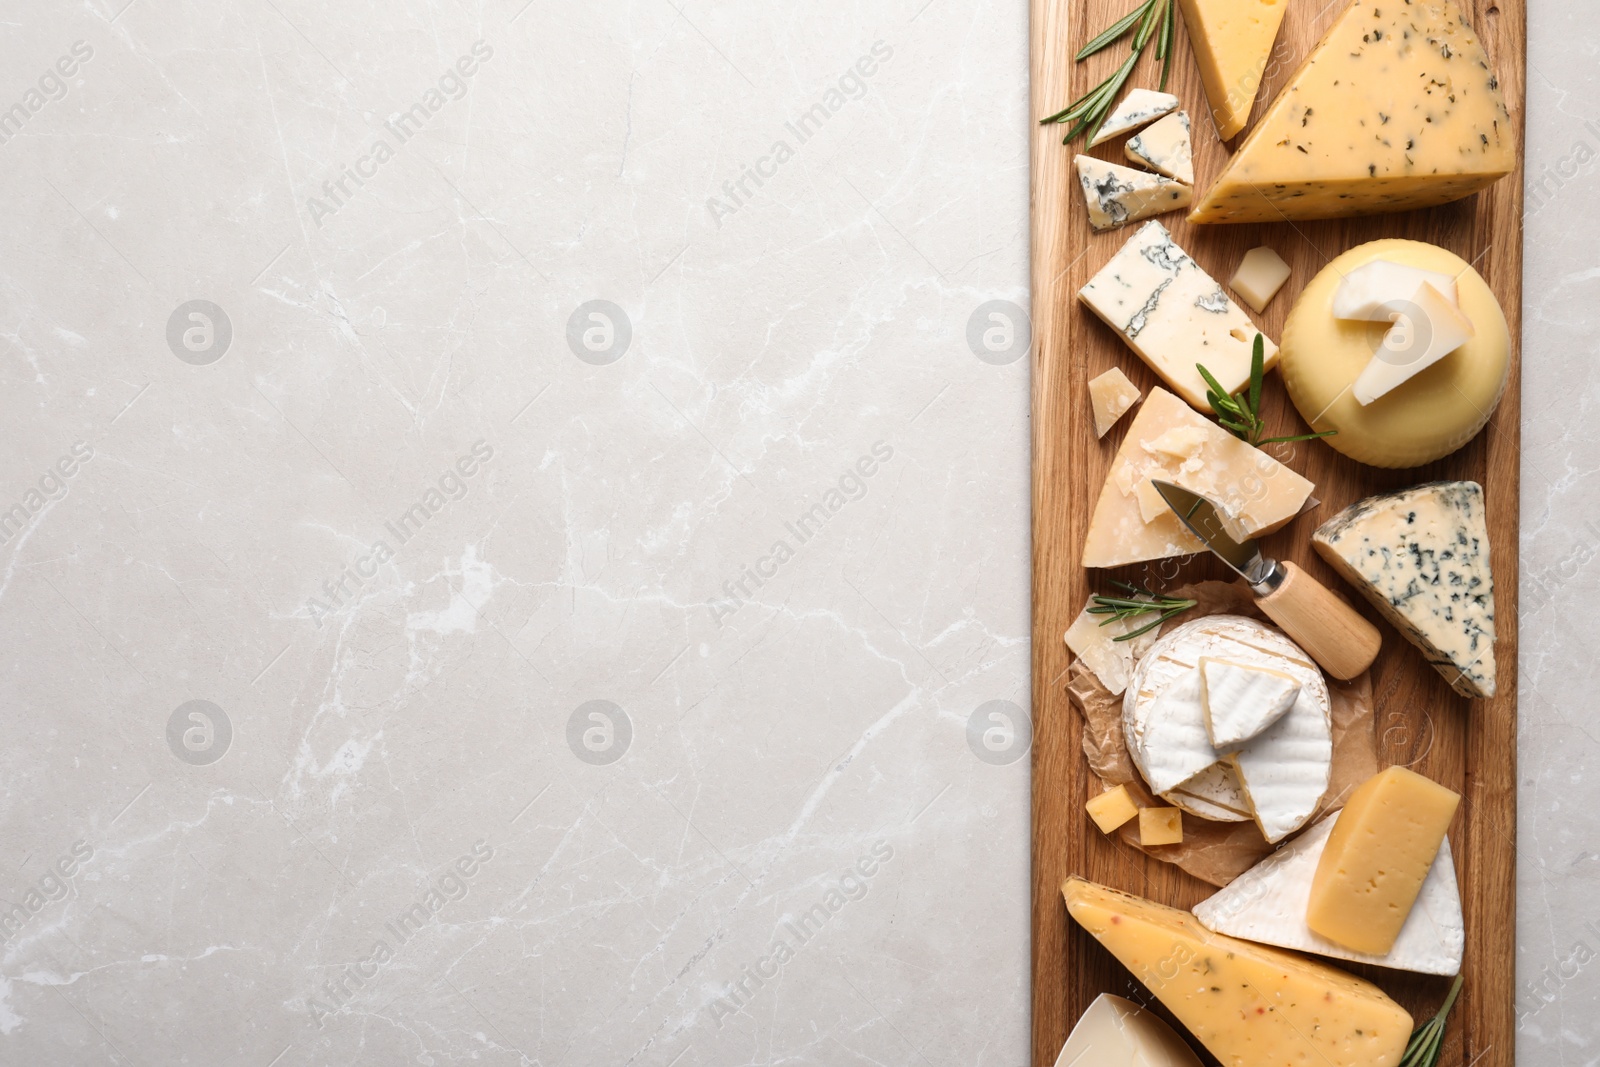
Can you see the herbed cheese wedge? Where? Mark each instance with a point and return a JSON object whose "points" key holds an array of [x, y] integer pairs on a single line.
{"points": [[1396, 109], [1232, 42], [1421, 556], [1137, 108], [1250, 1005], [1289, 763], [1373, 292], [1111, 395], [1381, 849], [1426, 329], [1117, 195], [1165, 148], [1175, 315], [1242, 699], [1093, 639], [1169, 440], [1114, 1031], [1267, 903]]}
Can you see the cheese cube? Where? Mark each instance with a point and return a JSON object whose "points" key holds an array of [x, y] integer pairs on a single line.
{"points": [[1377, 857], [1250, 1005], [1111, 395], [1424, 332], [1241, 700], [1160, 826], [1111, 809], [1261, 274], [1372, 291]]}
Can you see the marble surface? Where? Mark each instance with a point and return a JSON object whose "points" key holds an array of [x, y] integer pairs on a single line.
{"points": [[518, 535]]}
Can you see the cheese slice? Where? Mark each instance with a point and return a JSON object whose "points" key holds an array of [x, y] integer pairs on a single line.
{"points": [[1373, 291], [1396, 109], [1174, 735], [1268, 902], [1136, 109], [1426, 329], [1113, 1032], [1380, 850], [1261, 274], [1165, 148], [1174, 315], [1093, 639], [1219, 792], [1421, 556], [1232, 42], [1242, 700], [1111, 395], [1249, 1004], [1117, 195], [1168, 440]]}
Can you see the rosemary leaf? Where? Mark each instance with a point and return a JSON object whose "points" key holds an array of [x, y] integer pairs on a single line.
{"points": [[1114, 31], [1139, 602], [1428, 1039]]}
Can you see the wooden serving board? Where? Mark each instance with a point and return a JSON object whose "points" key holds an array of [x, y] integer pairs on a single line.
{"points": [[1469, 745]]}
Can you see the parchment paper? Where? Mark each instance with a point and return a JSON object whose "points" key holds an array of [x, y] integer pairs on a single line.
{"points": [[1218, 852]]}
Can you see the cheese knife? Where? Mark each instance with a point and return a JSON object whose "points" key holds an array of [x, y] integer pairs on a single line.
{"points": [[1342, 642]]}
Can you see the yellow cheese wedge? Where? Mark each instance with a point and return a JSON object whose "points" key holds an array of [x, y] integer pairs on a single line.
{"points": [[1397, 108], [1250, 1005], [1428, 416], [1160, 826], [1170, 440], [1377, 857], [1232, 41], [1111, 809]]}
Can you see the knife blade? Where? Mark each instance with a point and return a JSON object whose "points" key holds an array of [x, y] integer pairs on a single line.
{"points": [[1342, 642]]}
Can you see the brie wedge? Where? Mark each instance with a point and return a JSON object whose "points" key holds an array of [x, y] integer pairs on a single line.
{"points": [[1242, 700], [1114, 1032], [1268, 902]]}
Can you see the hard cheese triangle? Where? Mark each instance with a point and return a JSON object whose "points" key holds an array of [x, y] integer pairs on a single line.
{"points": [[1232, 41], [1398, 108], [1249, 1004], [1114, 1032], [1267, 903], [1170, 440], [1421, 556]]}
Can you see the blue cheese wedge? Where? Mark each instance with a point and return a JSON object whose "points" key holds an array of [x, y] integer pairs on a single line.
{"points": [[1422, 557], [1139, 108], [1175, 315], [1165, 148], [1117, 195]]}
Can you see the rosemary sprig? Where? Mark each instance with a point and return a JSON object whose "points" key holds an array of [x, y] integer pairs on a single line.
{"points": [[1138, 602], [1428, 1039], [1241, 415], [1089, 111]]}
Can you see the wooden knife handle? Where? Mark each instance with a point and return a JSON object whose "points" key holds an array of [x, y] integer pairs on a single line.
{"points": [[1340, 640]]}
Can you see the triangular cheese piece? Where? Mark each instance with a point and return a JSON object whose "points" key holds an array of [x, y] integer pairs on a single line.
{"points": [[1175, 744], [1111, 395], [1165, 148], [1117, 195], [1256, 492], [1247, 1003], [1268, 902], [1136, 109], [1232, 42], [1421, 556], [1397, 108], [1113, 1032], [1242, 700]]}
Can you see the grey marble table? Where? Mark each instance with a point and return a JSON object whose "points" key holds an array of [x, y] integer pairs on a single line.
{"points": [[505, 534]]}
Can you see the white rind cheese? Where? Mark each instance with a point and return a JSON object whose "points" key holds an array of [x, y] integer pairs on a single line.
{"points": [[1175, 315], [1139, 107], [1268, 904], [1117, 195], [1290, 761], [1114, 1032], [1175, 744], [1165, 148], [1242, 700], [1421, 557]]}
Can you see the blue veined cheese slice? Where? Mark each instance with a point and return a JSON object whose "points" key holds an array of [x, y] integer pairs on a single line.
{"points": [[1165, 148], [1175, 315], [1117, 195], [1422, 557], [1139, 107]]}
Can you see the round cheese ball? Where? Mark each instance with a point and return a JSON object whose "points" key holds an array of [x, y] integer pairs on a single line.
{"points": [[1429, 416]]}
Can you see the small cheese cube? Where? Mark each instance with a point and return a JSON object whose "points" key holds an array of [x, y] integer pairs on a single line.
{"points": [[1377, 857], [1261, 274], [1160, 826], [1111, 395], [1426, 329], [1111, 809]]}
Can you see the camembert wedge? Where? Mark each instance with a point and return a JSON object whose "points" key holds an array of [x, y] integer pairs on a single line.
{"points": [[1250, 1005], [1397, 108]]}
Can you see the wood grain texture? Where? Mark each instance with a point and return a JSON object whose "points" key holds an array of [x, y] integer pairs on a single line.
{"points": [[1469, 745]]}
